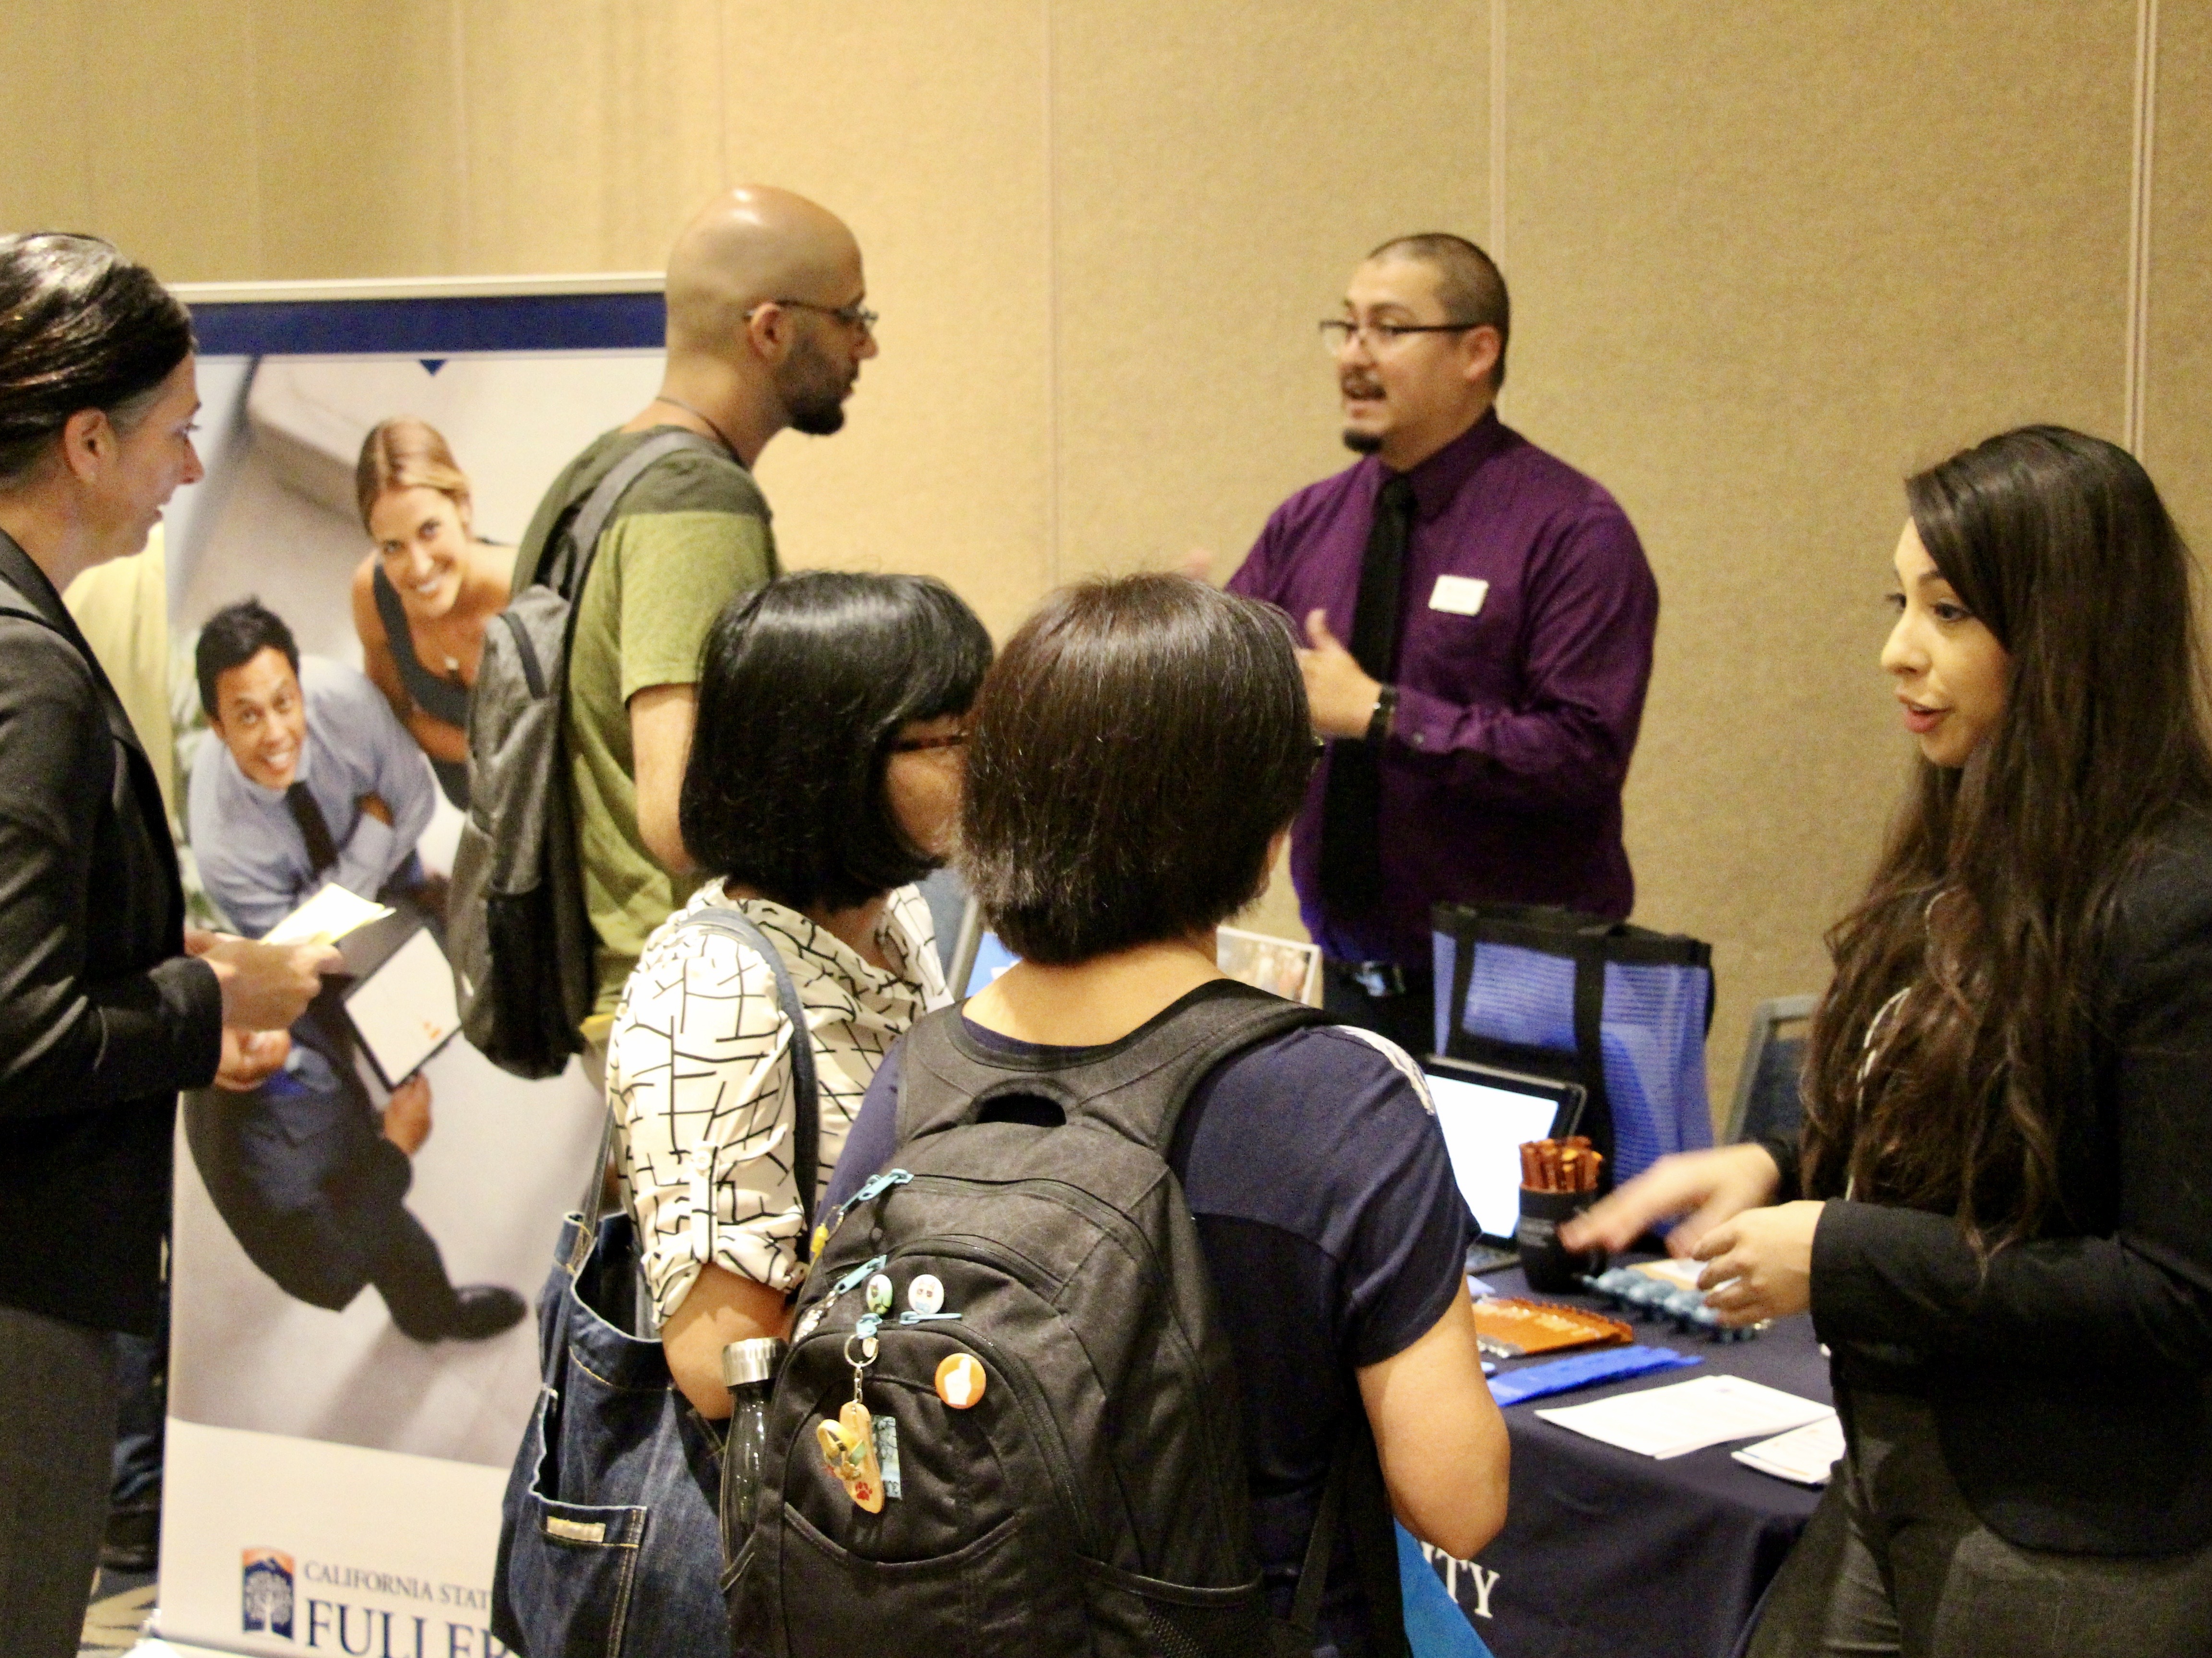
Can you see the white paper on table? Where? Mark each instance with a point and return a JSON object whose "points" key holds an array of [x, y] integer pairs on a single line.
{"points": [[1664, 1422], [1804, 1455], [329, 914]]}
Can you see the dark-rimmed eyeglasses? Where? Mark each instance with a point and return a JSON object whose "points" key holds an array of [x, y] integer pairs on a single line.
{"points": [[1337, 332]]}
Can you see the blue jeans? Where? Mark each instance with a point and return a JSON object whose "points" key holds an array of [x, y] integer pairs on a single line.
{"points": [[142, 1376], [608, 1543]]}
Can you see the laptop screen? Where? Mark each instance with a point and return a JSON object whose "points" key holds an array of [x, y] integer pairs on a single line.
{"points": [[1485, 1116]]}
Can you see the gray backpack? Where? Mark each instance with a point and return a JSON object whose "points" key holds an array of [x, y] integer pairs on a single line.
{"points": [[520, 942], [1081, 1488]]}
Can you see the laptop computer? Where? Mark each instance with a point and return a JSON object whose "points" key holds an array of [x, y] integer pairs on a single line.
{"points": [[1485, 1114]]}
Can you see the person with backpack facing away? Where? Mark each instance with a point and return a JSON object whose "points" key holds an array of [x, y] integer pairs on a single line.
{"points": [[1129, 1447], [766, 331], [824, 780]]}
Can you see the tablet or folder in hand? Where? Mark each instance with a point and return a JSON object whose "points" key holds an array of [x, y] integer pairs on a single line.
{"points": [[401, 1003]]}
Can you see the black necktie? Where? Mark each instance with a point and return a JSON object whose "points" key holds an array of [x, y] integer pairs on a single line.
{"points": [[1351, 852], [322, 850]]}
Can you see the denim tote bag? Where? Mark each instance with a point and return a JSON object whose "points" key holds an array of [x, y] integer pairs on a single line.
{"points": [[609, 1541], [610, 1538]]}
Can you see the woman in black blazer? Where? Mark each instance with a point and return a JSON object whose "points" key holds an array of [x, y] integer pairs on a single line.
{"points": [[107, 1008], [1999, 1212]]}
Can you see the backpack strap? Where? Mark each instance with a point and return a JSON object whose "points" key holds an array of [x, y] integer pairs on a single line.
{"points": [[565, 563], [1137, 1087], [1354, 1496], [806, 1108]]}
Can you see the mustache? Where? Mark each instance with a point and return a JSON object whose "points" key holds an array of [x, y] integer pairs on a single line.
{"points": [[1353, 387]]}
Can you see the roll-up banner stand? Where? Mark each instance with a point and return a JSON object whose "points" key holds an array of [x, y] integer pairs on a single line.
{"points": [[333, 1482]]}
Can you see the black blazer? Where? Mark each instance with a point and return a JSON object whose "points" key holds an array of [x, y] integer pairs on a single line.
{"points": [[102, 1018], [2072, 1382]]}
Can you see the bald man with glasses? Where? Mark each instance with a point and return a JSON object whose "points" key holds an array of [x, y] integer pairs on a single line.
{"points": [[767, 329], [1478, 620]]}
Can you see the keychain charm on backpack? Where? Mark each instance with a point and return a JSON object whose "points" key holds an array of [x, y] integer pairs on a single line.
{"points": [[848, 1444]]}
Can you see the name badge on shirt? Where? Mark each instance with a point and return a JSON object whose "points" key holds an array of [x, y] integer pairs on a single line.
{"points": [[1461, 595]]}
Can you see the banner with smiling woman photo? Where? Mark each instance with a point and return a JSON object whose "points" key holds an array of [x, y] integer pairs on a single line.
{"points": [[357, 1243]]}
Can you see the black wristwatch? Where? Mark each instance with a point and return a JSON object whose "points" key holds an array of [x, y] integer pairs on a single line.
{"points": [[1386, 709]]}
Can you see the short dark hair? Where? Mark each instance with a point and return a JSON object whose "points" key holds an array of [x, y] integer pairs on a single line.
{"points": [[804, 686], [233, 637], [1136, 749], [81, 327], [1469, 282]]}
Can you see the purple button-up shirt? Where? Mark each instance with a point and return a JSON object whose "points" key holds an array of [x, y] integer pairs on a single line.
{"points": [[1521, 682]]}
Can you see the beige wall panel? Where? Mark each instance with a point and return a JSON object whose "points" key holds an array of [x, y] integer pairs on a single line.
{"points": [[592, 129], [923, 127], [1218, 169], [46, 148], [1765, 260], [168, 96], [361, 162], [2178, 405]]}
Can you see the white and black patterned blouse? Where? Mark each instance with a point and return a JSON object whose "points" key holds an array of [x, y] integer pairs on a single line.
{"points": [[698, 1072]]}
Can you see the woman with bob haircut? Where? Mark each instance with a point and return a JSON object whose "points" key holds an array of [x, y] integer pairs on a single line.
{"points": [[2000, 1211], [1136, 754], [423, 597], [109, 1006], [824, 780]]}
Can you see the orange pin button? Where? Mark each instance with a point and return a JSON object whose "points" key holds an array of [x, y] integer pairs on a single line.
{"points": [[960, 1380]]}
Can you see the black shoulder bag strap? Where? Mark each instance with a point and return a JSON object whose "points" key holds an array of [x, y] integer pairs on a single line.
{"points": [[1354, 1491], [806, 1108], [806, 1104]]}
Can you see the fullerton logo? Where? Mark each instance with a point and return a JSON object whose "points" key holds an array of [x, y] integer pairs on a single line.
{"points": [[265, 1584]]}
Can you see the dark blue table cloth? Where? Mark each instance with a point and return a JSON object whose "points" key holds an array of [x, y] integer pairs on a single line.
{"points": [[1607, 1554]]}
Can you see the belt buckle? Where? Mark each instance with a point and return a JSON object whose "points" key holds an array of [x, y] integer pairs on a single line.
{"points": [[1379, 979]]}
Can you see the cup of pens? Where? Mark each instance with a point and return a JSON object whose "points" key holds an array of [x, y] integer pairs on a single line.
{"points": [[1559, 1178]]}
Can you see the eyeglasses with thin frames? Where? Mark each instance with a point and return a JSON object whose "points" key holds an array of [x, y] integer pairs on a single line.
{"points": [[854, 315], [1337, 332]]}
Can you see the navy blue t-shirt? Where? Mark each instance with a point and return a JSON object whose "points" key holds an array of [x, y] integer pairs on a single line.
{"points": [[1333, 1228]]}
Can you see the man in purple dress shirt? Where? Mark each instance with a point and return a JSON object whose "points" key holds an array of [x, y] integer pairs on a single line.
{"points": [[1480, 618]]}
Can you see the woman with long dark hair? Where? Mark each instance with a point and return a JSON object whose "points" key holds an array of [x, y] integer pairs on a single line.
{"points": [[2003, 1222], [108, 1007]]}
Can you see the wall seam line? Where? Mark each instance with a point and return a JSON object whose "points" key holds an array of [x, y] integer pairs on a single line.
{"points": [[1052, 422], [722, 90], [260, 237], [2139, 225], [1497, 232], [462, 256]]}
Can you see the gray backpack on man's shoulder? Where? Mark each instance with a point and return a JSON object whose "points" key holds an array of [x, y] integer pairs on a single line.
{"points": [[520, 941], [1055, 1403]]}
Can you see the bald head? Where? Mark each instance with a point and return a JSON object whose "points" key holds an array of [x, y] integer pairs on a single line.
{"points": [[755, 243]]}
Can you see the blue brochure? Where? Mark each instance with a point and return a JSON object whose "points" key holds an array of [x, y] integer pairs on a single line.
{"points": [[1564, 1376]]}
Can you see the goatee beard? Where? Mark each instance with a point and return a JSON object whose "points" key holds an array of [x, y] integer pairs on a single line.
{"points": [[1362, 443], [818, 417]]}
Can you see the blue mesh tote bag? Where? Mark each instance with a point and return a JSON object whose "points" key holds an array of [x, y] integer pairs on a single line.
{"points": [[1621, 1010]]}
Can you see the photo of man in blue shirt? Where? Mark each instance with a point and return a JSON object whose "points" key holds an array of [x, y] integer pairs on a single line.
{"points": [[312, 781]]}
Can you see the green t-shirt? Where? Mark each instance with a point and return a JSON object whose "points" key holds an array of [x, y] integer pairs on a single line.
{"points": [[690, 534]]}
